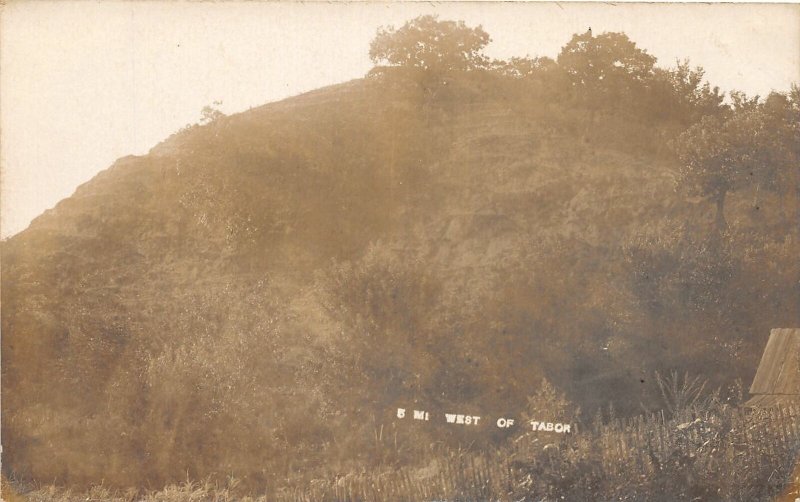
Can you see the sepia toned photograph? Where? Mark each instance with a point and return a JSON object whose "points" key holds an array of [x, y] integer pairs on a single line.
{"points": [[401, 251]]}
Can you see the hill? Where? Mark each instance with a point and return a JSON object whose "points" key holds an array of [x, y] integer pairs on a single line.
{"points": [[257, 295]]}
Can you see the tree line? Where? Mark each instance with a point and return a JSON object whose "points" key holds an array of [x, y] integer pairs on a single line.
{"points": [[725, 146]]}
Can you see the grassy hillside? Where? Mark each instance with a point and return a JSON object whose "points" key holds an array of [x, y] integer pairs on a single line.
{"points": [[256, 295]]}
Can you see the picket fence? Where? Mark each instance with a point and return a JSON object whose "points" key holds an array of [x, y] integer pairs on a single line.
{"points": [[631, 448]]}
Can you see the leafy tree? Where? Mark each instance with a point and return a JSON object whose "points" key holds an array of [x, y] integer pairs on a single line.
{"points": [[783, 119], [754, 144], [210, 113], [683, 95], [429, 44], [607, 72], [604, 63], [740, 101], [708, 169]]}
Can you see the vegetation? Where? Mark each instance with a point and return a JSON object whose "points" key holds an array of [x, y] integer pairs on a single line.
{"points": [[257, 295], [753, 144], [607, 70], [431, 45], [712, 453]]}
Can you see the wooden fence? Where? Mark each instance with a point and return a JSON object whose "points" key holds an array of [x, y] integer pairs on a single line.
{"points": [[615, 451]]}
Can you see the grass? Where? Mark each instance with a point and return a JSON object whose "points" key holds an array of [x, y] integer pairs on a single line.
{"points": [[708, 452]]}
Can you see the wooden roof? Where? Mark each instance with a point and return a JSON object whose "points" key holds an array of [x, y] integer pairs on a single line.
{"points": [[772, 400], [779, 372]]}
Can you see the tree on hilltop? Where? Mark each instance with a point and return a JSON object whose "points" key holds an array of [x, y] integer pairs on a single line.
{"points": [[605, 60], [682, 94], [429, 44], [607, 71]]}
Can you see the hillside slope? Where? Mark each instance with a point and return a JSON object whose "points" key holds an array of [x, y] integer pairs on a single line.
{"points": [[277, 281]]}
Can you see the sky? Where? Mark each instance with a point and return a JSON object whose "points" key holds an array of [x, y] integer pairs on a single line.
{"points": [[84, 83]]}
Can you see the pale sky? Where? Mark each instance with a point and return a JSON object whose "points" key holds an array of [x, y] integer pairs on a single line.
{"points": [[84, 83]]}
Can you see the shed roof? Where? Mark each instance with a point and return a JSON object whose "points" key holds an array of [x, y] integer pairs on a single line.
{"points": [[779, 372], [770, 400]]}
